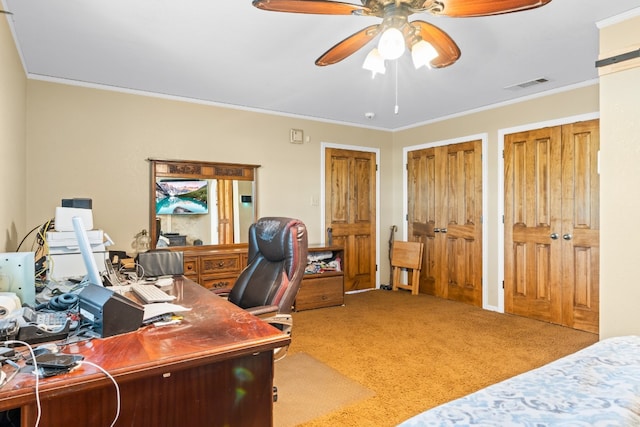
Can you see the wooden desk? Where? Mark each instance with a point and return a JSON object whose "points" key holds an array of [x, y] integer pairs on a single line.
{"points": [[213, 369]]}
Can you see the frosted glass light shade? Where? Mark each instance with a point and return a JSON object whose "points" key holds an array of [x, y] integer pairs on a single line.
{"points": [[391, 45], [374, 62], [423, 53]]}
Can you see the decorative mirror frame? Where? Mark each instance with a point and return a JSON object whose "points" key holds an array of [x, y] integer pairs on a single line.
{"points": [[189, 169]]}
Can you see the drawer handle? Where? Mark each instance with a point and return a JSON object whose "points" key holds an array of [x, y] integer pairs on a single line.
{"points": [[220, 285], [221, 264]]}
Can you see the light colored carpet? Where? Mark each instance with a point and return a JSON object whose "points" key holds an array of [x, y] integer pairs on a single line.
{"points": [[308, 389]]}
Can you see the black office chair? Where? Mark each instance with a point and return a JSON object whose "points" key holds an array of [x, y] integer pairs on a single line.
{"points": [[277, 258]]}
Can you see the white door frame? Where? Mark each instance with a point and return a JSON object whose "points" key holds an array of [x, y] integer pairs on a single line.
{"points": [[323, 149]]}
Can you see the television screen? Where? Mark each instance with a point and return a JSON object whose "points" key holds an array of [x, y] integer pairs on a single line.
{"points": [[182, 197]]}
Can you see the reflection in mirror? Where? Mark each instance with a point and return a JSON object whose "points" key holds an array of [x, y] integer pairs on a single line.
{"points": [[201, 203], [203, 212]]}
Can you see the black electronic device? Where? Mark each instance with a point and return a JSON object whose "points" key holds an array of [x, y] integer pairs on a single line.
{"points": [[48, 320], [108, 312], [50, 364], [34, 334], [56, 360], [158, 263], [77, 202]]}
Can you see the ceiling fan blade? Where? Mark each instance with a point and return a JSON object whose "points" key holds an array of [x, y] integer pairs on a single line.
{"points": [[467, 8], [320, 7], [448, 50], [348, 46]]}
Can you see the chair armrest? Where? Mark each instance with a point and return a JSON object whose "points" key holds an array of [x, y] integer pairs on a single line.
{"points": [[284, 322], [263, 311]]}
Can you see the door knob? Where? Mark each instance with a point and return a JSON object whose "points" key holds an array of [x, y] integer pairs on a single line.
{"points": [[566, 236], [443, 230], [554, 236], [436, 230]]}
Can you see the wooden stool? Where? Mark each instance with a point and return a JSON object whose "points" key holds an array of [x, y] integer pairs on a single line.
{"points": [[407, 255]]}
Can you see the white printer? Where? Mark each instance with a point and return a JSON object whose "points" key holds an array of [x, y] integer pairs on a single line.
{"points": [[65, 259]]}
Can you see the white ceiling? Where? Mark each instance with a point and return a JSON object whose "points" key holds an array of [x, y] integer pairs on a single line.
{"points": [[230, 53]]}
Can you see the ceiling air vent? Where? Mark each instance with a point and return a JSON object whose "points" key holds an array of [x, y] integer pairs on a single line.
{"points": [[527, 84]]}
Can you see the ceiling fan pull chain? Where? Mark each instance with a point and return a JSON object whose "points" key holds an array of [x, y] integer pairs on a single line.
{"points": [[396, 107]]}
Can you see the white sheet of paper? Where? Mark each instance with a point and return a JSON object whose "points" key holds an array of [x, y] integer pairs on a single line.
{"points": [[160, 308]]}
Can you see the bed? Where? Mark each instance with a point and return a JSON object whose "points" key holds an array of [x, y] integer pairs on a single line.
{"points": [[596, 386]]}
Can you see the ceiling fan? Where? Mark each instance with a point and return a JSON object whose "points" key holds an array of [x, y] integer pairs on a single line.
{"points": [[429, 45]]}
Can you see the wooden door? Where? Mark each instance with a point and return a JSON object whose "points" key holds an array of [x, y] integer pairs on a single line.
{"points": [[445, 213], [552, 225], [532, 221], [423, 202], [350, 187], [225, 211], [581, 226]]}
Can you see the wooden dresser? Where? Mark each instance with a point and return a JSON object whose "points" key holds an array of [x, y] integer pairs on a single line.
{"points": [[324, 288], [215, 267]]}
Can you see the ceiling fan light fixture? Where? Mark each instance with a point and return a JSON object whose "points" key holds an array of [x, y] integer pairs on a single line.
{"points": [[391, 45], [374, 62], [423, 53]]}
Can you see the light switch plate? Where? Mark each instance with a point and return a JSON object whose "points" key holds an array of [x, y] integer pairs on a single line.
{"points": [[297, 136]]}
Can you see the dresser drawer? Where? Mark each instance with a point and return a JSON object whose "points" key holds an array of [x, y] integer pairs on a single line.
{"points": [[220, 264], [218, 282], [190, 266], [320, 292]]}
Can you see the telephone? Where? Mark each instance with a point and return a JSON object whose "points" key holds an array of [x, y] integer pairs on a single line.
{"points": [[112, 277], [36, 327], [49, 321]]}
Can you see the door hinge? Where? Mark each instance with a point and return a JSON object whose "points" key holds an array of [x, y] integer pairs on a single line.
{"points": [[406, 217], [503, 219], [376, 168], [376, 267], [503, 284]]}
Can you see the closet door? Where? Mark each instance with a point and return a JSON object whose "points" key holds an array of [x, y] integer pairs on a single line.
{"points": [[533, 220], [445, 211], [581, 226], [462, 222], [552, 225], [423, 202]]}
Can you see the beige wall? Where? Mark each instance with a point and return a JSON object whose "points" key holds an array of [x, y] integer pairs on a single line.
{"points": [[619, 183], [13, 177], [579, 101], [94, 142], [86, 142]]}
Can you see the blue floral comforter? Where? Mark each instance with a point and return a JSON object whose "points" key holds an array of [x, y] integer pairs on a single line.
{"points": [[596, 386]]}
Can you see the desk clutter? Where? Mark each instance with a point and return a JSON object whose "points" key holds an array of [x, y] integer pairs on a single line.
{"points": [[72, 288]]}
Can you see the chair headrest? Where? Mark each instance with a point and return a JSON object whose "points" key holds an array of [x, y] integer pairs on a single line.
{"points": [[274, 237]]}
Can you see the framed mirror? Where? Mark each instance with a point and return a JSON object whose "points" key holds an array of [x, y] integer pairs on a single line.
{"points": [[194, 203]]}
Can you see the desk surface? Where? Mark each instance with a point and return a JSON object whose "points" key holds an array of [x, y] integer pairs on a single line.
{"points": [[214, 330]]}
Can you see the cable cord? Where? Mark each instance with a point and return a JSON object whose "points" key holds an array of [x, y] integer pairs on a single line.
{"points": [[104, 371], [35, 371], [27, 235]]}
